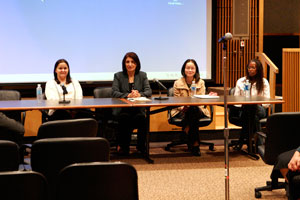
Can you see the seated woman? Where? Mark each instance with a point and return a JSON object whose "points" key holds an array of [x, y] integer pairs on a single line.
{"points": [[54, 91], [130, 83], [259, 87], [190, 114]]}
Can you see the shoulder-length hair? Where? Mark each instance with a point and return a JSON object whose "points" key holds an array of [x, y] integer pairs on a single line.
{"points": [[197, 74], [136, 60], [69, 80], [258, 78]]}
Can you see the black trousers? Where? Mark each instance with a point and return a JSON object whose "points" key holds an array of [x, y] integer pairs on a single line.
{"points": [[190, 117], [248, 117], [128, 120]]}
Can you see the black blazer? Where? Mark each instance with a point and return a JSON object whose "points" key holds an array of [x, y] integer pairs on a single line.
{"points": [[120, 88]]}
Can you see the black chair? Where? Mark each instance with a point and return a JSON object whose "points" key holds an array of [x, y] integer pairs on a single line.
{"points": [[23, 185], [9, 154], [86, 127], [49, 156], [234, 118], [294, 185], [178, 122], [282, 135], [6, 95], [98, 180], [17, 115], [107, 124]]}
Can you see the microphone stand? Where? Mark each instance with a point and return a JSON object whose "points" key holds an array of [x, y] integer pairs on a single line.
{"points": [[160, 97], [64, 101], [226, 129]]}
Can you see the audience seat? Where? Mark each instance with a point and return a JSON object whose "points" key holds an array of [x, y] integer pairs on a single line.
{"points": [[50, 155], [9, 154], [282, 135], [98, 180], [23, 185], [86, 127]]}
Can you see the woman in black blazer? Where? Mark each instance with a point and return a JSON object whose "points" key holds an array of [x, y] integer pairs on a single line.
{"points": [[130, 83]]}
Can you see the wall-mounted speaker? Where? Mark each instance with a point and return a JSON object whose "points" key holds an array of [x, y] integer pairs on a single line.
{"points": [[241, 19]]}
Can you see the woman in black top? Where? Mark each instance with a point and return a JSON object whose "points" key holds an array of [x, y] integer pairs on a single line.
{"points": [[130, 83]]}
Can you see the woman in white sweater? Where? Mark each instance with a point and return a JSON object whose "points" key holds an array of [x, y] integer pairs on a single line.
{"points": [[54, 90]]}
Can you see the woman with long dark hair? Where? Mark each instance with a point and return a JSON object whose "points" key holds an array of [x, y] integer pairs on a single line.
{"points": [[54, 90], [259, 86]]}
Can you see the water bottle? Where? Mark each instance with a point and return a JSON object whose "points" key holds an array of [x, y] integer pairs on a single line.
{"points": [[193, 89], [247, 88], [39, 92]]}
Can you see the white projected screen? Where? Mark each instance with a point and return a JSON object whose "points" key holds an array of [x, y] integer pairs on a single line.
{"points": [[94, 35]]}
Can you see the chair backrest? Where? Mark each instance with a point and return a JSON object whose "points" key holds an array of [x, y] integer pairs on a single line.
{"points": [[86, 127], [49, 156], [9, 95], [102, 92], [25, 185], [9, 155], [105, 117], [283, 134], [202, 121], [6, 95], [98, 180]]}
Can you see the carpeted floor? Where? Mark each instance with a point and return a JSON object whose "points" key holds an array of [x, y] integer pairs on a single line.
{"points": [[177, 175]]}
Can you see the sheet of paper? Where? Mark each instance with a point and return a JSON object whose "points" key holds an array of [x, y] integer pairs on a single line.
{"points": [[139, 99], [206, 96]]}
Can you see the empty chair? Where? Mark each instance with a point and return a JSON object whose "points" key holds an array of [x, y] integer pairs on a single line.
{"points": [[10, 129], [23, 185], [106, 121], [98, 180], [86, 127], [9, 155], [49, 156], [6, 95], [282, 135], [178, 122]]}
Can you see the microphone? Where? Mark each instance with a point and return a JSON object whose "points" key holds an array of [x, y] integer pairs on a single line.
{"points": [[227, 36], [159, 83], [65, 91], [63, 87]]}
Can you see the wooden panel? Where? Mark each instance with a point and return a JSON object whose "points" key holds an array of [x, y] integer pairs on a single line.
{"points": [[237, 58], [291, 79], [33, 121]]}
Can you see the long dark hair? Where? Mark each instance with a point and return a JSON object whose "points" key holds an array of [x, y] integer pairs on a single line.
{"points": [[258, 78], [69, 80], [197, 75], [136, 60]]}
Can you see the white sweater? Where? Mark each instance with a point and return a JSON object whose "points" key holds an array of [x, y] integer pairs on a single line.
{"points": [[53, 91]]}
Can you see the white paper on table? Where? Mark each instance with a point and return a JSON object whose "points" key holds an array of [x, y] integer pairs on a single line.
{"points": [[206, 96], [139, 99]]}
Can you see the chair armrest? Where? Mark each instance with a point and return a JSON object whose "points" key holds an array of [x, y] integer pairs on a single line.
{"points": [[261, 134], [23, 116]]}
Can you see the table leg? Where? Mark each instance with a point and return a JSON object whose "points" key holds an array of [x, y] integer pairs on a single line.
{"points": [[147, 155]]}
